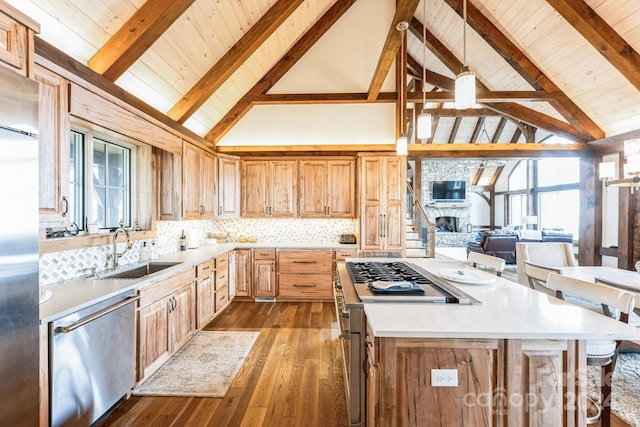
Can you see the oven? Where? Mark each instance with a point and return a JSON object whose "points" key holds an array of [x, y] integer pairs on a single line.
{"points": [[351, 293]]}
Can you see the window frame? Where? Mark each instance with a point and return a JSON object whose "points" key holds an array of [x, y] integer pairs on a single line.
{"points": [[91, 133]]}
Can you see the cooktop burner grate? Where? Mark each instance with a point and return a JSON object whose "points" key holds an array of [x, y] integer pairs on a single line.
{"points": [[367, 272]]}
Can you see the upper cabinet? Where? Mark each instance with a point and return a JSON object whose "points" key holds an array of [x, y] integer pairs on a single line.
{"points": [[17, 33], [228, 187], [54, 143], [198, 183], [382, 202], [269, 188], [168, 170], [327, 188]]}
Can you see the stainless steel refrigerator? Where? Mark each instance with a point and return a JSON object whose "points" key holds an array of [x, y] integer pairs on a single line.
{"points": [[19, 312]]}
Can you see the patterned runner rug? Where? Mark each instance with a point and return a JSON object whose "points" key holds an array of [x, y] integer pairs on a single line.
{"points": [[205, 367]]}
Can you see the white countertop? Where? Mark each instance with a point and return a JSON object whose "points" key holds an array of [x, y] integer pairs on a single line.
{"points": [[508, 310], [72, 295]]}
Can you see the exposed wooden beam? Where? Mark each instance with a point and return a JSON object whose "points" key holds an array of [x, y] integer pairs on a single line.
{"points": [[500, 151], [321, 98], [604, 38], [614, 143], [128, 44], [285, 150], [454, 130], [516, 135], [232, 60], [404, 12], [279, 69], [475, 136], [586, 128], [483, 95], [499, 129]]}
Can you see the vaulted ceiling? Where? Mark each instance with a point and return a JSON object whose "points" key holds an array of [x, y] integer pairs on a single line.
{"points": [[546, 69]]}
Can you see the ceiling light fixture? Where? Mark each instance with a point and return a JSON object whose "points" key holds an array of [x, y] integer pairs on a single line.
{"points": [[424, 119], [401, 143], [465, 86]]}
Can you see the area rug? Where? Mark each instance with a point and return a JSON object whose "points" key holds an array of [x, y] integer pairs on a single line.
{"points": [[625, 401], [204, 367]]}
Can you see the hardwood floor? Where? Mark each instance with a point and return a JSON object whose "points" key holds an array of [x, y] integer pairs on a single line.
{"points": [[292, 377]]}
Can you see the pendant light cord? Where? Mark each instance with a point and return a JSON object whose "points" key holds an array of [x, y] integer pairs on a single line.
{"points": [[464, 33], [424, 56]]}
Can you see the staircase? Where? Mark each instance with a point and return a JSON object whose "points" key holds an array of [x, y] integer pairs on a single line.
{"points": [[414, 246]]}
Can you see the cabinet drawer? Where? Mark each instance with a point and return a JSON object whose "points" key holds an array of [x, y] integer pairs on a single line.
{"points": [[342, 254], [305, 261], [222, 278], [305, 285], [264, 254], [222, 261], [205, 268], [156, 290], [222, 298]]}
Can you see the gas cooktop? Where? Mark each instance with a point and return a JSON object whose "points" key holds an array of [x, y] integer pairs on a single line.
{"points": [[365, 273]]}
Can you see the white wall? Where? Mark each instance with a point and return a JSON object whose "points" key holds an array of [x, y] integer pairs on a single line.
{"points": [[610, 206], [341, 61]]}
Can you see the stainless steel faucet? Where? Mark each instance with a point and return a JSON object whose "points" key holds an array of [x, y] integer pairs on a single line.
{"points": [[114, 255]]}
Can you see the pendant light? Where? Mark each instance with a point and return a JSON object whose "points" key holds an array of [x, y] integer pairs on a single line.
{"points": [[465, 91], [401, 142], [423, 124]]}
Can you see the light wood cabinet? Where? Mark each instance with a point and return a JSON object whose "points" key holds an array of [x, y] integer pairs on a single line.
{"points": [[264, 273], [166, 320], [221, 283], [305, 274], [327, 188], [198, 183], [17, 33], [382, 202], [205, 292], [54, 161], [240, 273], [228, 187], [269, 188], [168, 170]]}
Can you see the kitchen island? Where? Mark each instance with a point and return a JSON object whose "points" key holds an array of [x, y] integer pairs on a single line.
{"points": [[517, 358]]}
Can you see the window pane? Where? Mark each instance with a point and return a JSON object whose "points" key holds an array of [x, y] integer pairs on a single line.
{"points": [[518, 208], [518, 177], [116, 166], [99, 163], [558, 171], [560, 209], [98, 207], [116, 207]]}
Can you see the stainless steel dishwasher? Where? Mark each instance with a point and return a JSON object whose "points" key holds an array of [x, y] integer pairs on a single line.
{"points": [[92, 364]]}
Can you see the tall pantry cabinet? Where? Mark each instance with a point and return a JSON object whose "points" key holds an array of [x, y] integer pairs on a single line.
{"points": [[382, 202]]}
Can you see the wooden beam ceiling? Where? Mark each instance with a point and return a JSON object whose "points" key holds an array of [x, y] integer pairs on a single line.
{"points": [[604, 38], [128, 44], [404, 12], [211, 81], [483, 95], [586, 128], [330, 17]]}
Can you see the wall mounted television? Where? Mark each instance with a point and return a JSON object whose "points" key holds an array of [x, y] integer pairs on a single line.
{"points": [[449, 190]]}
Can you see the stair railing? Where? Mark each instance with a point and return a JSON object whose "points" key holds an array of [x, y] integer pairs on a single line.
{"points": [[421, 223]]}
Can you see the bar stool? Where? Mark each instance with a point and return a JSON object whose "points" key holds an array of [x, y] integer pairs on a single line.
{"points": [[489, 261]]}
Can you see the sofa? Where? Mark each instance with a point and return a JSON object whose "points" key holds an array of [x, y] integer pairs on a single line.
{"points": [[502, 243]]}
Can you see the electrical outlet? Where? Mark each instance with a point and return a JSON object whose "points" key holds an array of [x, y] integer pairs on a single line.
{"points": [[444, 378]]}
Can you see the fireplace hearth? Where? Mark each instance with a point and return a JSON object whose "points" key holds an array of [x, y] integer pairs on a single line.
{"points": [[448, 224]]}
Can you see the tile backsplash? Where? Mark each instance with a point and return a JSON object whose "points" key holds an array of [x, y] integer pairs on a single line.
{"points": [[65, 265]]}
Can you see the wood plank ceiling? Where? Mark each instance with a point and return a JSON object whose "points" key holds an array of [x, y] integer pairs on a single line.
{"points": [[545, 68]]}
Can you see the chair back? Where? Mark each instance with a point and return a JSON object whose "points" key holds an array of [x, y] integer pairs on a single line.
{"points": [[614, 298], [537, 276], [552, 254], [492, 262]]}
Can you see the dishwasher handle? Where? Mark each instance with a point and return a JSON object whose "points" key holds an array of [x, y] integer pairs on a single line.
{"points": [[84, 321]]}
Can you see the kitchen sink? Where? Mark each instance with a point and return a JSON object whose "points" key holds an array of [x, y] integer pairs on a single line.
{"points": [[137, 271]]}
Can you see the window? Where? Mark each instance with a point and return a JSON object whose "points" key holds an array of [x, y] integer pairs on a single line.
{"points": [[560, 209], [557, 172], [101, 184], [518, 177], [517, 208]]}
